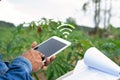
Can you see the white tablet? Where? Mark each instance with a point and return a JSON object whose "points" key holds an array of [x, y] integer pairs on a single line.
{"points": [[52, 46]]}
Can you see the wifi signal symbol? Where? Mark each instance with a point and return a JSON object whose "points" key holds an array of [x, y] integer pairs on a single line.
{"points": [[66, 29]]}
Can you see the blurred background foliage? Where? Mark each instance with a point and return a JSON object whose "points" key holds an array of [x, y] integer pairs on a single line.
{"points": [[16, 40]]}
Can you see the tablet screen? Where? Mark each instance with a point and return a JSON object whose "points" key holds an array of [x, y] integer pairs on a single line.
{"points": [[50, 47]]}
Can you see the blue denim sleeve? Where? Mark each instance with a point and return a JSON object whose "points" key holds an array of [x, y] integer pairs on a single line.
{"points": [[3, 66], [19, 69]]}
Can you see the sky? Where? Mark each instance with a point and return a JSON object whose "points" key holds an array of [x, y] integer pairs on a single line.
{"points": [[19, 11]]}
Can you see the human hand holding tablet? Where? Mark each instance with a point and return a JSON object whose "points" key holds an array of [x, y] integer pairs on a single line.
{"points": [[52, 46]]}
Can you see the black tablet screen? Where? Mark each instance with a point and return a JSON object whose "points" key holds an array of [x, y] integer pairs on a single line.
{"points": [[50, 47]]}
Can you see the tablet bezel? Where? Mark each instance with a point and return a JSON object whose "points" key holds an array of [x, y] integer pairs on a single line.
{"points": [[58, 39]]}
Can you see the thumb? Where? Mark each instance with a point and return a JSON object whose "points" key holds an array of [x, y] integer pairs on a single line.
{"points": [[34, 44]]}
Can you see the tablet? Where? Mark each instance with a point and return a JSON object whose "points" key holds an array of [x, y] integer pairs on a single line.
{"points": [[52, 46]]}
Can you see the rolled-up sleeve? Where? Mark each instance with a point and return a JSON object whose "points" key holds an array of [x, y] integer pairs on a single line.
{"points": [[19, 69]]}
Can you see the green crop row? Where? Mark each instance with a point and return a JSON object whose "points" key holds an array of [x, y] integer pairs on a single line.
{"points": [[16, 40]]}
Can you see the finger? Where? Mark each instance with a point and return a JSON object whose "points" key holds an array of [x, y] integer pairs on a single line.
{"points": [[34, 44], [38, 54], [42, 55], [41, 64], [47, 62], [52, 58], [37, 65], [35, 51]]}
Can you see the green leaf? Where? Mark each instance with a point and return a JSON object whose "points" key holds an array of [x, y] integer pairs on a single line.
{"points": [[69, 56]]}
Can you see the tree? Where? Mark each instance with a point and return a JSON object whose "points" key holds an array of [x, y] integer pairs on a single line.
{"points": [[97, 10], [98, 13], [6, 24], [71, 21], [107, 13]]}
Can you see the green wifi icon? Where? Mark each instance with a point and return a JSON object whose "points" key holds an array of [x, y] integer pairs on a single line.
{"points": [[66, 29]]}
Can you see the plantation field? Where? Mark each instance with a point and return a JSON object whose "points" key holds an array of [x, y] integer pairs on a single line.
{"points": [[16, 40]]}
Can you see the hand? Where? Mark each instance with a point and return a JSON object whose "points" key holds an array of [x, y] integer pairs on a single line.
{"points": [[35, 57]]}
